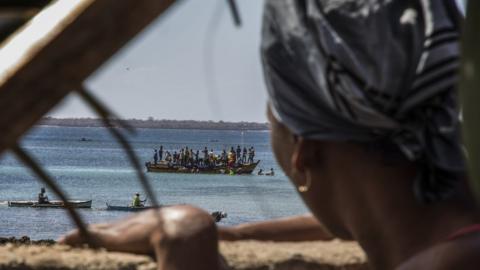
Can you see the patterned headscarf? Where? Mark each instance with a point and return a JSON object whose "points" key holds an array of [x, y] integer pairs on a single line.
{"points": [[369, 70]]}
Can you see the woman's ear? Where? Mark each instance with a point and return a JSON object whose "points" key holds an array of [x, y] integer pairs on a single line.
{"points": [[306, 154], [299, 155]]}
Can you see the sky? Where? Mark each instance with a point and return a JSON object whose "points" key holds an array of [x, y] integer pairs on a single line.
{"points": [[190, 64]]}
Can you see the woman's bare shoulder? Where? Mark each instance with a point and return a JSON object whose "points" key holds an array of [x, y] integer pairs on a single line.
{"points": [[462, 253]]}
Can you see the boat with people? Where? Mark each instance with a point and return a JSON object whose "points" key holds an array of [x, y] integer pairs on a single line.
{"points": [[51, 204], [129, 208], [206, 162], [166, 167], [44, 202]]}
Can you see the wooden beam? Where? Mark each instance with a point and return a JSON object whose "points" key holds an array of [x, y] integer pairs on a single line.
{"points": [[57, 50]]}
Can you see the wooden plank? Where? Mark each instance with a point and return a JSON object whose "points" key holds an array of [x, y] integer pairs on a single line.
{"points": [[470, 92], [57, 50]]}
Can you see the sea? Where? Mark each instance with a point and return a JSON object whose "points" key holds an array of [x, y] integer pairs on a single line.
{"points": [[97, 169]]}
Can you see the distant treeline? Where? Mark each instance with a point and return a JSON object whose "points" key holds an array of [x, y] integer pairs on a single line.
{"points": [[152, 123]]}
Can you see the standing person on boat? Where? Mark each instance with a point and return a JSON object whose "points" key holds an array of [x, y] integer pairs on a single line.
{"points": [[160, 153], [136, 201], [175, 157], [42, 197], [205, 156], [239, 154], [187, 156], [155, 157], [231, 158], [182, 156], [211, 158], [250, 155], [244, 155], [223, 157], [192, 157], [196, 157], [168, 157]]}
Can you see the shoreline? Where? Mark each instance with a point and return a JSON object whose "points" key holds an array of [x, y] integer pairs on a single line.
{"points": [[157, 124], [26, 240]]}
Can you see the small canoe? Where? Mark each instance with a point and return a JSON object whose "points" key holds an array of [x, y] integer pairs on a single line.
{"points": [[164, 167], [51, 204], [126, 208]]}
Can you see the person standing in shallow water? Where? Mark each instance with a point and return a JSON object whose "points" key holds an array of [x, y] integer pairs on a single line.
{"points": [[366, 131]]}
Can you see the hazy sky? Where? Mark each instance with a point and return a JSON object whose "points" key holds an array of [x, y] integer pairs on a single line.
{"points": [[192, 63]]}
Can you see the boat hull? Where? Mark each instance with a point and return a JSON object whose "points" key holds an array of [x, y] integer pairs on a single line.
{"points": [[52, 204], [126, 208], [166, 168]]}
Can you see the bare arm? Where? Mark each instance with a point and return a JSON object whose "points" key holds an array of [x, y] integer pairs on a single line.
{"points": [[291, 229]]}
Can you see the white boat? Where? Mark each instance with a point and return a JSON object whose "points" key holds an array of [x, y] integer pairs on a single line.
{"points": [[51, 204]]}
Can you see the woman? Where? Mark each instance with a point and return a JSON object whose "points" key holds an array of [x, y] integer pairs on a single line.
{"points": [[365, 124]]}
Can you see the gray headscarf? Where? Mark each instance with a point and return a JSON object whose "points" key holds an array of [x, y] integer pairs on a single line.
{"points": [[369, 70]]}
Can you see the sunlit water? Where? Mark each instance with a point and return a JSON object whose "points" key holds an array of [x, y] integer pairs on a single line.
{"points": [[98, 170]]}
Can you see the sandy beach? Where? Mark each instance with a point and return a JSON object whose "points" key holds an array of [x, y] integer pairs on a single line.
{"points": [[243, 255]]}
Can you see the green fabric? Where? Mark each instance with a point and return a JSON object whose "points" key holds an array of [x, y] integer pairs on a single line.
{"points": [[136, 201]]}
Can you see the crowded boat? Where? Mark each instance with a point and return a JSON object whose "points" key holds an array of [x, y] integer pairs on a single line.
{"points": [[187, 160]]}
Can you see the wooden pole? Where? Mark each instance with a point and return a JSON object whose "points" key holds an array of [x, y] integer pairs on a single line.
{"points": [[470, 92], [57, 50]]}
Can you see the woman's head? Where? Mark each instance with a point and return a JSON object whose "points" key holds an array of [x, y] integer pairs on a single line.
{"points": [[352, 102], [327, 83]]}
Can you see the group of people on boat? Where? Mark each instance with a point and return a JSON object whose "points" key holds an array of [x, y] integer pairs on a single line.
{"points": [[187, 157]]}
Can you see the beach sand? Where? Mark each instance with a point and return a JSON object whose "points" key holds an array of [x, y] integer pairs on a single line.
{"points": [[243, 255]]}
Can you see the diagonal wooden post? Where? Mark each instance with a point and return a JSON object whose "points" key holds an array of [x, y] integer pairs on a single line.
{"points": [[60, 47]]}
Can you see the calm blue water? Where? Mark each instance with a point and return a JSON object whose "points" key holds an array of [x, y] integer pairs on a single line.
{"points": [[98, 170]]}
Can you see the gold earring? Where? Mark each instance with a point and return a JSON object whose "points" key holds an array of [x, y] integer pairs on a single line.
{"points": [[306, 187]]}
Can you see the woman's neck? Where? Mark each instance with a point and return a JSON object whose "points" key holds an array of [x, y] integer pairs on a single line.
{"points": [[391, 237], [387, 220]]}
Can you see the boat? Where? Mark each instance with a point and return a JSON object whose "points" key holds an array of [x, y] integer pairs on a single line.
{"points": [[165, 167], [51, 204], [217, 215], [127, 208]]}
